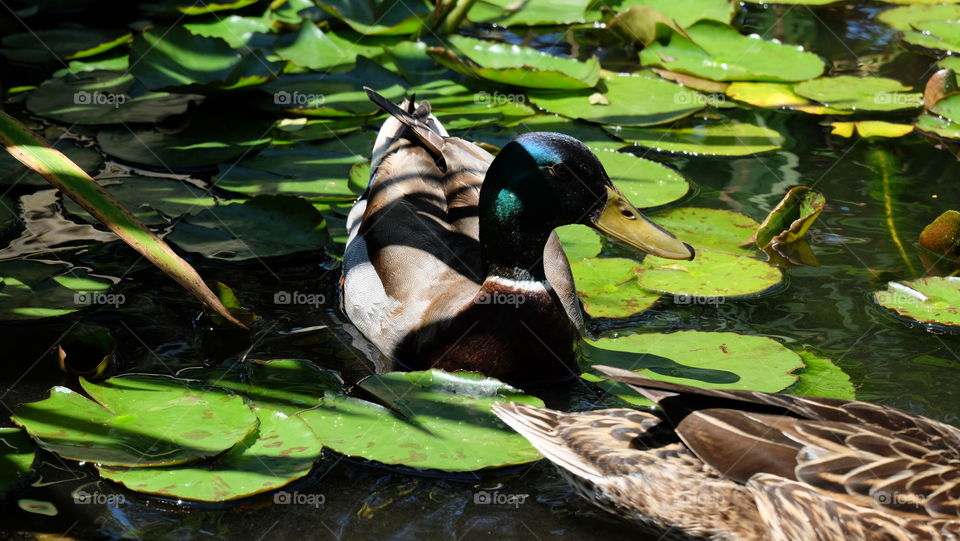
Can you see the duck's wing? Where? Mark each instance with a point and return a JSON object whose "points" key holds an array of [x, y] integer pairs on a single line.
{"points": [[866, 455], [625, 462], [412, 251]]}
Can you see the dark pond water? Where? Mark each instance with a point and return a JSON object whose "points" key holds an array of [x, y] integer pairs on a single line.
{"points": [[827, 309]]}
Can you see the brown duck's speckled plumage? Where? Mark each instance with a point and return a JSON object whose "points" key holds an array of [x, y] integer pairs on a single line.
{"points": [[756, 466]]}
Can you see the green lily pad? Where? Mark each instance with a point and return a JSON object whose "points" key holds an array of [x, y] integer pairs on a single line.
{"points": [[286, 385], [295, 130], [379, 17], [870, 128], [292, 171], [14, 172], [151, 200], [579, 241], [34, 289], [933, 300], [686, 12], [436, 420], [137, 420], [646, 183], [16, 455], [708, 138], [174, 57], [236, 30], [265, 226], [718, 52], [711, 277], [590, 135], [192, 7], [791, 218], [615, 101], [911, 20], [281, 451], [334, 94], [712, 229], [528, 12], [607, 287], [38, 46], [516, 65], [779, 95], [718, 360], [104, 97], [206, 140], [847, 92], [795, 2], [943, 127], [314, 49], [821, 378]]}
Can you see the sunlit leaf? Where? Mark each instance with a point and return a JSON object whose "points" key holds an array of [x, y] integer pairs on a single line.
{"points": [[607, 287], [708, 138], [934, 300]]}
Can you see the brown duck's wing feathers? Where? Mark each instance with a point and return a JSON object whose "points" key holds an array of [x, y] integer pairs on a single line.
{"points": [[618, 460]]}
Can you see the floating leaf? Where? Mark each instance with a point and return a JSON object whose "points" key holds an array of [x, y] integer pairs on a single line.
{"points": [[928, 26], [174, 57], [943, 127], [16, 455], [942, 236], [137, 420], [713, 229], [312, 48], [265, 226], [300, 171], [151, 200], [528, 12], [643, 24], [646, 183], [34, 289], [516, 65], [717, 51], [286, 385], [281, 451], [710, 275], [380, 17], [607, 287], [940, 85], [206, 140], [38, 46], [933, 300], [708, 138], [719, 360], [870, 128], [579, 241], [780, 95], [686, 12], [847, 92], [436, 420], [662, 101], [237, 31], [104, 97], [821, 378], [789, 221]]}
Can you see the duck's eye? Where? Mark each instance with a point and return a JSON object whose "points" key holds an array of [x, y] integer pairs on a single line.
{"points": [[628, 214]]}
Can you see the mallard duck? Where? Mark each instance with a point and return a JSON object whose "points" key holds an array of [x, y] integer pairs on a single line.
{"points": [[756, 466], [451, 260]]}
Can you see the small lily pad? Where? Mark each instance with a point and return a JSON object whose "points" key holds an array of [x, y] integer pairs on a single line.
{"points": [[870, 128], [716, 51], [944, 127], [847, 92], [646, 183], [607, 287], [719, 360], [923, 24], [151, 200], [35, 289], [379, 17], [579, 241], [934, 300], [286, 385], [662, 101], [708, 138], [265, 226], [710, 275], [821, 378], [516, 65], [282, 450], [528, 12], [779, 95], [435, 420], [206, 139], [302, 171], [687, 12], [16, 455], [105, 97], [713, 229], [789, 221], [137, 420]]}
